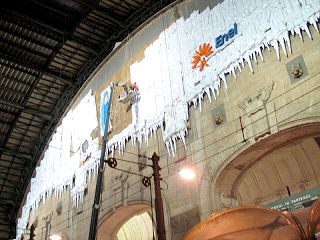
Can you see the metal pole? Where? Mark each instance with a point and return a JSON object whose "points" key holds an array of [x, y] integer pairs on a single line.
{"points": [[288, 190], [96, 204], [161, 232]]}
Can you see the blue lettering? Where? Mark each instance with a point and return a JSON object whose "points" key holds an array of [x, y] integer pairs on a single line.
{"points": [[219, 41], [225, 37], [231, 33]]}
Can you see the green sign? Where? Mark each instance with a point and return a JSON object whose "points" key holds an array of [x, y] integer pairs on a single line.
{"points": [[296, 201]]}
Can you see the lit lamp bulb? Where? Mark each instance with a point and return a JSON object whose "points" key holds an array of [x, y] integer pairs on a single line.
{"points": [[55, 237], [187, 173]]}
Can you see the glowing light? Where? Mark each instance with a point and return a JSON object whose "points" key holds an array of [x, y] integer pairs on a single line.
{"points": [[55, 237], [187, 173]]}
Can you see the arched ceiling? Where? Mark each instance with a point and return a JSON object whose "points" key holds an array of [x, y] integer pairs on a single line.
{"points": [[48, 49], [139, 227], [294, 165], [110, 226], [260, 174]]}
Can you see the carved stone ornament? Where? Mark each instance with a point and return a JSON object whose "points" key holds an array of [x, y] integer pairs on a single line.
{"points": [[256, 119], [218, 117], [228, 202], [59, 208], [296, 70], [254, 103]]}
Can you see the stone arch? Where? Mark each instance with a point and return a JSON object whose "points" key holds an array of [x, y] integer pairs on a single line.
{"points": [[213, 179], [112, 221]]}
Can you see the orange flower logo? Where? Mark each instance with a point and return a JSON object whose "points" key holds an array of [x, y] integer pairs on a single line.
{"points": [[204, 51]]}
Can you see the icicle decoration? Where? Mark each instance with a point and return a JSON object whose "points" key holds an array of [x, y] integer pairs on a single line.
{"points": [[165, 76], [61, 161]]}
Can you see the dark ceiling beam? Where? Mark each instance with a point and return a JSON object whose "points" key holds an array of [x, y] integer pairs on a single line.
{"points": [[23, 48], [132, 7], [21, 137], [4, 230], [14, 79], [11, 90], [109, 18], [121, 6], [92, 32], [26, 38], [4, 218], [12, 182], [89, 46], [76, 49], [67, 65], [66, 14], [95, 22], [16, 167], [35, 67], [40, 95], [5, 122], [36, 22], [6, 193], [12, 66], [9, 173], [45, 29], [86, 35], [64, 57], [7, 112], [9, 152], [26, 109], [33, 24], [139, 3], [108, 12], [21, 132]]}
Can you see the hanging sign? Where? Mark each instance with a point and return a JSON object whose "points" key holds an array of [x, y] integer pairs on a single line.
{"points": [[104, 106], [296, 201]]}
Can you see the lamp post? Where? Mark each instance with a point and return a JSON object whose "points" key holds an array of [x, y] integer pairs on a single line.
{"points": [[96, 204], [161, 232]]}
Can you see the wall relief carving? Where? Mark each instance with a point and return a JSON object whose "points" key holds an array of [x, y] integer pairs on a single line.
{"points": [[256, 119], [296, 70], [228, 202], [120, 188]]}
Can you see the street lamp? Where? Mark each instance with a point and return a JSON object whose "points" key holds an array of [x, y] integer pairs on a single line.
{"points": [[55, 237], [187, 173]]}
